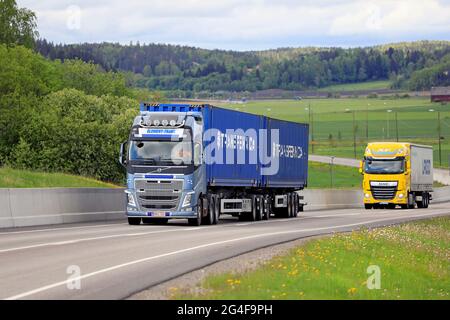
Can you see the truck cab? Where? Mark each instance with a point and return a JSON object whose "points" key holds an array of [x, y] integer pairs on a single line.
{"points": [[397, 174]]}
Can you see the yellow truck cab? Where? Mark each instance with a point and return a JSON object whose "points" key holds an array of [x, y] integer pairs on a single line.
{"points": [[397, 174]]}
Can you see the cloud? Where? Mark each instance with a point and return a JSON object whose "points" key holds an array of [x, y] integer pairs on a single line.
{"points": [[242, 24]]}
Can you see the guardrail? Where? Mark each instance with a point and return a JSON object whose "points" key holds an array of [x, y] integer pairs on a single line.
{"points": [[32, 207]]}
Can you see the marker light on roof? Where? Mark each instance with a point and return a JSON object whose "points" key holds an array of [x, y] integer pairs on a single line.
{"points": [[165, 123], [156, 122], [172, 123]]}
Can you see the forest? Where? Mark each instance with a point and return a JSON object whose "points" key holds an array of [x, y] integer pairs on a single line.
{"points": [[171, 67]]}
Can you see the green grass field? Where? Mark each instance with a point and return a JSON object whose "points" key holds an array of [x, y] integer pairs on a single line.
{"points": [[332, 121], [13, 178], [369, 85], [319, 176], [413, 260]]}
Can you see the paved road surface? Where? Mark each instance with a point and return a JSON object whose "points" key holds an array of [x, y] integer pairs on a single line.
{"points": [[440, 175], [117, 260]]}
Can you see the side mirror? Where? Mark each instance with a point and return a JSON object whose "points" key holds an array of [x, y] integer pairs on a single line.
{"points": [[361, 165], [122, 155], [406, 167], [197, 154]]}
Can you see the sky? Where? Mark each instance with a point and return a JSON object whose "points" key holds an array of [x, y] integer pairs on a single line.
{"points": [[242, 24]]}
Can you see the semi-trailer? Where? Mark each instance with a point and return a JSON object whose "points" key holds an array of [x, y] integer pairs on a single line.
{"points": [[397, 174], [198, 162]]}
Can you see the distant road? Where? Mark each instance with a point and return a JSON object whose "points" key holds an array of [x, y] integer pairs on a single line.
{"points": [[117, 260], [439, 175]]}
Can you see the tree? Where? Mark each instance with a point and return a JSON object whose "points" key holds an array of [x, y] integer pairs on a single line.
{"points": [[17, 25]]}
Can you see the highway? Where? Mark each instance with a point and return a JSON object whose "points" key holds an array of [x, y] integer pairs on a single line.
{"points": [[117, 260]]}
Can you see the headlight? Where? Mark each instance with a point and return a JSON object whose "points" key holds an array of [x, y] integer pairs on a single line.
{"points": [[401, 195], [131, 201], [367, 195], [187, 200]]}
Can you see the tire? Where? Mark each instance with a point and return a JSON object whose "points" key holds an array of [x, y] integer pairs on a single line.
{"points": [[295, 204], [216, 209], [259, 208], [198, 220], [252, 215], [428, 200], [368, 206], [425, 200], [266, 208], [209, 219], [134, 221], [411, 204], [289, 206]]}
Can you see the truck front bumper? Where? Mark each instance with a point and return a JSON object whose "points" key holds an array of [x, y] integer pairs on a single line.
{"points": [[162, 214], [401, 197]]}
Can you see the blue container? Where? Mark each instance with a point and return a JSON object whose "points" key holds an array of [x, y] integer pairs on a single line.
{"points": [[292, 153], [291, 150]]}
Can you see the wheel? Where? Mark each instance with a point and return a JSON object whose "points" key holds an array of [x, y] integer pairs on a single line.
{"points": [[295, 212], [216, 209], [209, 219], [266, 208], [259, 208], [134, 221], [289, 206], [428, 200], [198, 220], [368, 206], [425, 200], [252, 215], [411, 203]]}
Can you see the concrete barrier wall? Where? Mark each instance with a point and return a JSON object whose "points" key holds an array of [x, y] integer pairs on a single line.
{"points": [[441, 195], [332, 198], [32, 207]]}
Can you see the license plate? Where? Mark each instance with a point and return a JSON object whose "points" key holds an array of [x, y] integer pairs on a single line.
{"points": [[384, 202], [159, 213]]}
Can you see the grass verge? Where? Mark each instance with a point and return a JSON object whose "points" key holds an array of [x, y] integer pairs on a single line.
{"points": [[413, 259], [14, 178]]}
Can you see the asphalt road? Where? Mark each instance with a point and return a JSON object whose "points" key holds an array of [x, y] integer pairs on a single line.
{"points": [[117, 260]]}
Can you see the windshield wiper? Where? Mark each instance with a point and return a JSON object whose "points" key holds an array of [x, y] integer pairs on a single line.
{"points": [[172, 160]]}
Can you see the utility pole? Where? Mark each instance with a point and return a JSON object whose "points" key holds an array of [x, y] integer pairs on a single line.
{"points": [[396, 126], [354, 135], [311, 121], [367, 123], [331, 171], [439, 134]]}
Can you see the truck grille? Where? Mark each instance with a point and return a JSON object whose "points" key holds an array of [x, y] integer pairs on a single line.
{"points": [[383, 193], [158, 194]]}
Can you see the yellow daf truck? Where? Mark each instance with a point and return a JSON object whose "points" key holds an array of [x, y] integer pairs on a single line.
{"points": [[397, 174]]}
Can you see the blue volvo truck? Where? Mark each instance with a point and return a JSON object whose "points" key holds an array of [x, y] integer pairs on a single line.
{"points": [[198, 162]]}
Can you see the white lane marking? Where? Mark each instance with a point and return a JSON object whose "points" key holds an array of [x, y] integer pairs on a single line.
{"points": [[297, 218], [119, 266], [60, 243], [63, 228]]}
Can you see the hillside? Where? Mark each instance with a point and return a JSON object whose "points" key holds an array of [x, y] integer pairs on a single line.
{"points": [[171, 67], [15, 178]]}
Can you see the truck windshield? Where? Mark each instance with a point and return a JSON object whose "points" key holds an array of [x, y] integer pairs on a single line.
{"points": [[384, 166], [161, 152]]}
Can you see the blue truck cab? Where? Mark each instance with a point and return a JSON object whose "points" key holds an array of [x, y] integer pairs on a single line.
{"points": [[196, 162]]}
